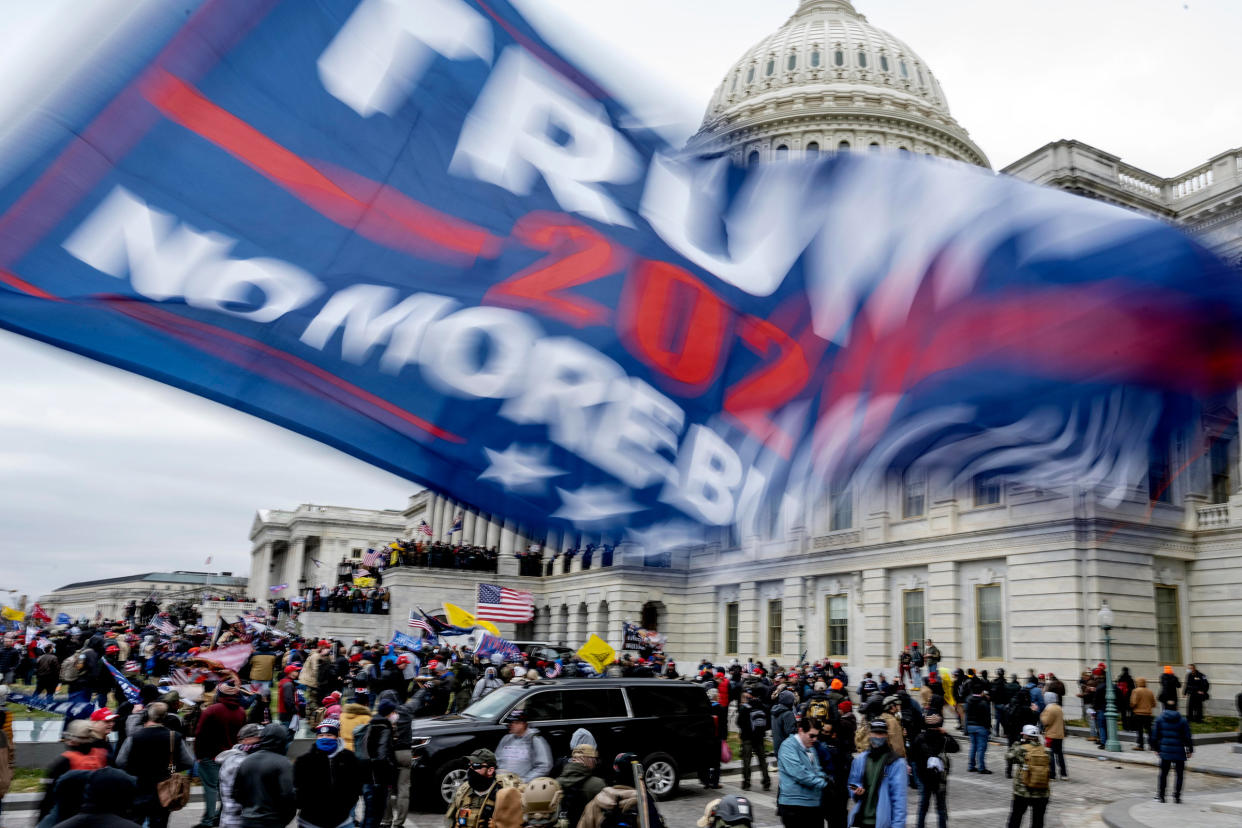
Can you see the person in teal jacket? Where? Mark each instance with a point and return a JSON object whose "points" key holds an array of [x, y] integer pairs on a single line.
{"points": [[801, 779], [878, 784]]}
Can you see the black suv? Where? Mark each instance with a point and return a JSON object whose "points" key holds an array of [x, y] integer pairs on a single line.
{"points": [[667, 723]]}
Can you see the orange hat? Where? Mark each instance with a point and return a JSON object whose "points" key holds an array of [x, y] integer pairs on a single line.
{"points": [[1168, 669], [836, 684]]}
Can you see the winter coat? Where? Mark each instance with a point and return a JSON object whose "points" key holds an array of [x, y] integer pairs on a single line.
{"points": [[326, 786], [1170, 736], [144, 756], [218, 726], [376, 752], [928, 744], [802, 781], [353, 716], [579, 785], [230, 810], [890, 810], [783, 724], [527, 755], [1053, 720], [108, 794], [487, 684], [614, 796], [264, 782], [1142, 700], [262, 666], [1169, 685], [978, 712]]}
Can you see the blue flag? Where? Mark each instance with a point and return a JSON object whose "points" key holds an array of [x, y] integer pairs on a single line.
{"points": [[127, 687], [415, 232], [400, 639], [490, 645]]}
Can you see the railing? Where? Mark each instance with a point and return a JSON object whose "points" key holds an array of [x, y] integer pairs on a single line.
{"points": [[1135, 181], [1213, 516], [1193, 182]]}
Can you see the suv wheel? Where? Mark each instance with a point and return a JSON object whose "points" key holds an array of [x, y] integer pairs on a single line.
{"points": [[660, 775], [451, 775]]}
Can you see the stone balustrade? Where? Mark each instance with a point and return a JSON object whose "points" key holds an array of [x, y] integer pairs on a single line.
{"points": [[1214, 516]]}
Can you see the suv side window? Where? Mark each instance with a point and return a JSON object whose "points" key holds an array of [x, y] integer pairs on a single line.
{"points": [[593, 704], [666, 701], [542, 707]]}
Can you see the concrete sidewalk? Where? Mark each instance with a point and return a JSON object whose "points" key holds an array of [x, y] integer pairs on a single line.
{"points": [[1201, 810], [1218, 759]]}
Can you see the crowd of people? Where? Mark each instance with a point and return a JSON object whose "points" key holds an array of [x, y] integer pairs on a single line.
{"points": [[374, 600], [845, 753]]}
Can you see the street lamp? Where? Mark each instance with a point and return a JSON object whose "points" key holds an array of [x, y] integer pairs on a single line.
{"points": [[1110, 701], [800, 650]]}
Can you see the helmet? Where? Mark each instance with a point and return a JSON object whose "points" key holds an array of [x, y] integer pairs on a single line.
{"points": [[541, 801], [732, 810], [891, 700], [1030, 730]]}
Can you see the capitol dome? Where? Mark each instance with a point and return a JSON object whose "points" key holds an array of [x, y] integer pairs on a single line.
{"points": [[828, 80]]}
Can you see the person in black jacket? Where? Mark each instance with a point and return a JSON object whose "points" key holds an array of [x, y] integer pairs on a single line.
{"points": [[752, 727], [978, 725], [327, 780], [378, 759], [264, 783], [1169, 685], [146, 756], [932, 743], [107, 801], [999, 695], [1196, 693]]}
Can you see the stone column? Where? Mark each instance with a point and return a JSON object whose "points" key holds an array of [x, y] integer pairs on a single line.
{"points": [[295, 565], [793, 613], [944, 611], [878, 612], [467, 527], [493, 531], [260, 563], [435, 510], [508, 538], [748, 621]]}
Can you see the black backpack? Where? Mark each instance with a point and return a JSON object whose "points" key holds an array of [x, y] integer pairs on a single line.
{"points": [[758, 719]]}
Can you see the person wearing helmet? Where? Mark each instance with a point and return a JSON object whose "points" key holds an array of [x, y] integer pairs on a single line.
{"points": [[541, 803], [726, 812], [1031, 789]]}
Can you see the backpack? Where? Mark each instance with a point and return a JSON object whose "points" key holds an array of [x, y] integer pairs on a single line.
{"points": [[819, 709], [1035, 766], [758, 719], [614, 817], [69, 670], [918, 658]]}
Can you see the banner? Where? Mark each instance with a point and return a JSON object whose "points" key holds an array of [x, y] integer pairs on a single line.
{"points": [[60, 705], [598, 653], [233, 656], [409, 642], [363, 581], [63, 618], [415, 232], [10, 614], [631, 636], [127, 687], [458, 617], [490, 645]]}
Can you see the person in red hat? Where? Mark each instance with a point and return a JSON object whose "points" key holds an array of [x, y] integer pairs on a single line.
{"points": [[287, 698], [102, 721]]}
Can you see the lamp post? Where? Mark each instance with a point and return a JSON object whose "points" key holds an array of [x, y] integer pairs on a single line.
{"points": [[1110, 701], [800, 650]]}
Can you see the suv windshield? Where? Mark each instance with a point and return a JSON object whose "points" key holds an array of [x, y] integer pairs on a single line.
{"points": [[494, 703]]}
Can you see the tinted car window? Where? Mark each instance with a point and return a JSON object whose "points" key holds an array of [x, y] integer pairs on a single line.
{"points": [[494, 703], [540, 707], [666, 701], [593, 704]]}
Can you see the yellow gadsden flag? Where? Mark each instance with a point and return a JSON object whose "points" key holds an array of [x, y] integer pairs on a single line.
{"points": [[10, 614], [458, 617], [598, 653]]}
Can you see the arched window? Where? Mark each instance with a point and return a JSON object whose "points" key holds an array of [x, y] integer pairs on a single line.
{"points": [[812, 148], [793, 62], [884, 62], [782, 153], [862, 59], [750, 75], [844, 146], [753, 158], [771, 66], [905, 73], [736, 78], [838, 57], [815, 59], [874, 145], [903, 149], [919, 69]]}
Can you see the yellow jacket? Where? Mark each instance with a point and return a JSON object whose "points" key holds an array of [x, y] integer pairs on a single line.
{"points": [[352, 716], [1053, 720]]}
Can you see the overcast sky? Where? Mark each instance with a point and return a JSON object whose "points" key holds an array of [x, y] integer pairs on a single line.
{"points": [[105, 474]]}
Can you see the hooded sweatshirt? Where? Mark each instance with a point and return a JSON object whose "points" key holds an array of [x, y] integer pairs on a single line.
{"points": [[328, 786], [353, 715], [527, 755], [1142, 700], [108, 798], [783, 719], [264, 783], [487, 684]]}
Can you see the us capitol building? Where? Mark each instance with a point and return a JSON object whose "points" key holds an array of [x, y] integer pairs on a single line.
{"points": [[997, 573]]}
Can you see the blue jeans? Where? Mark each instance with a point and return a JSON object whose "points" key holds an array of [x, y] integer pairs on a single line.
{"points": [[374, 801], [978, 746], [208, 773]]}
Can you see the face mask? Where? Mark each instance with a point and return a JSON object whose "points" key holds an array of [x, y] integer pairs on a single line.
{"points": [[479, 781], [326, 743], [878, 741]]}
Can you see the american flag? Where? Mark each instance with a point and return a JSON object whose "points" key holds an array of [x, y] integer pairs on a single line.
{"points": [[497, 603], [371, 558], [417, 622], [165, 626], [425, 528], [553, 670]]}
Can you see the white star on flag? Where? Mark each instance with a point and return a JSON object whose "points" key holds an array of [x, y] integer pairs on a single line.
{"points": [[594, 504], [665, 536], [520, 469]]}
